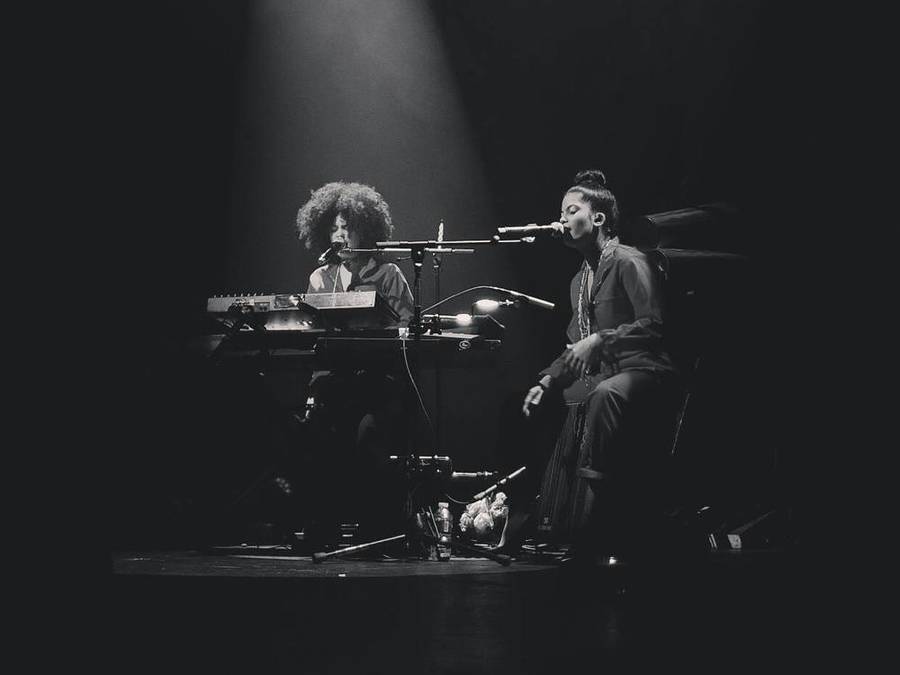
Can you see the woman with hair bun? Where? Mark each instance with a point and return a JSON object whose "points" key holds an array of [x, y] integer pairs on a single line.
{"points": [[617, 383]]}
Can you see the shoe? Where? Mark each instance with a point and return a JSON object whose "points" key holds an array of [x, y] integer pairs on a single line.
{"points": [[513, 535]]}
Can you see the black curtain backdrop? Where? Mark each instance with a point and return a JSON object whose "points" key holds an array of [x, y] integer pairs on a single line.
{"points": [[218, 118]]}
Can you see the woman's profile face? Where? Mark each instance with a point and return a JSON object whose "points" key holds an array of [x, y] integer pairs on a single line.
{"points": [[577, 215]]}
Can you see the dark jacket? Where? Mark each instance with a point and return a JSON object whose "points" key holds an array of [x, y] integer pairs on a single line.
{"points": [[625, 306]]}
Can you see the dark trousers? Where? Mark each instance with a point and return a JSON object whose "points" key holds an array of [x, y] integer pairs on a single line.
{"points": [[357, 422], [598, 473]]}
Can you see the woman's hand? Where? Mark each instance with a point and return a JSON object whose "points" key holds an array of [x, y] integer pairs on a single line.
{"points": [[582, 355], [532, 399]]}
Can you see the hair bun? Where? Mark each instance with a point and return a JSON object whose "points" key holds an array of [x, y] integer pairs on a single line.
{"points": [[591, 177]]}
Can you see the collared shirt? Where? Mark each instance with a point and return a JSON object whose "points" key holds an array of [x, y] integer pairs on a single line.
{"points": [[385, 278], [623, 302]]}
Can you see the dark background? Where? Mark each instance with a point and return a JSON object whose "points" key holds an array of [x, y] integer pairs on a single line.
{"points": [[217, 119]]}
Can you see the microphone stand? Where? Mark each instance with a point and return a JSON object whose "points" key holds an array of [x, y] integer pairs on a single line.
{"points": [[436, 268], [417, 255], [417, 251]]}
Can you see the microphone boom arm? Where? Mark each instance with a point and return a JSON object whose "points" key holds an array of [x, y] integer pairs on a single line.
{"points": [[432, 243], [516, 294]]}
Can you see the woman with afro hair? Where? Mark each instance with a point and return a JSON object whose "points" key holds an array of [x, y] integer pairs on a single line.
{"points": [[355, 216], [356, 418]]}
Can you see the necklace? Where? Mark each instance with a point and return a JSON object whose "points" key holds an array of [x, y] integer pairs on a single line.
{"points": [[584, 317]]}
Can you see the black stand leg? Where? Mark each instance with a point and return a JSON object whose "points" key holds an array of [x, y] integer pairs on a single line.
{"points": [[419, 534], [320, 556]]}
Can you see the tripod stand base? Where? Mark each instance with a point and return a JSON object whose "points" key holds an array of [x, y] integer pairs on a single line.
{"points": [[323, 555]]}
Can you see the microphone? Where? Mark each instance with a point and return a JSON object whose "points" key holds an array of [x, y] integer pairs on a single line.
{"points": [[472, 475], [500, 483], [530, 299], [555, 228], [331, 253]]}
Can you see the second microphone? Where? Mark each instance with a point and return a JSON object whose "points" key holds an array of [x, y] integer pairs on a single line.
{"points": [[556, 229]]}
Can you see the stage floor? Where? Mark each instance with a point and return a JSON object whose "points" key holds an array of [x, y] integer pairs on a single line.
{"points": [[268, 611], [269, 562]]}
